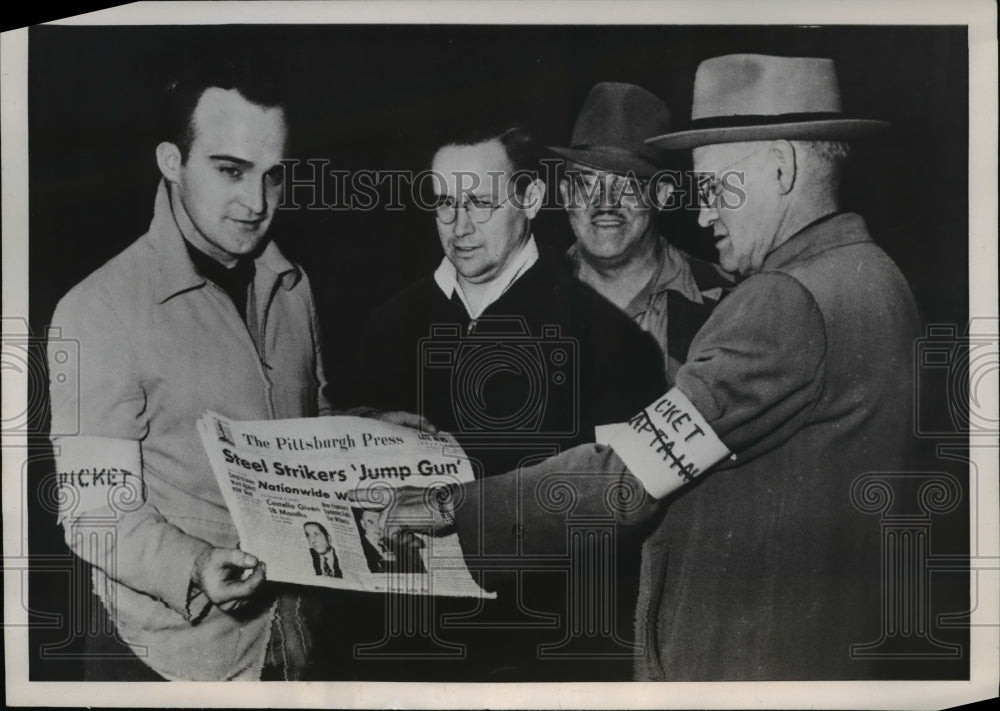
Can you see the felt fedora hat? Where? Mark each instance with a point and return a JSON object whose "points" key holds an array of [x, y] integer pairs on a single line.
{"points": [[754, 97], [610, 132]]}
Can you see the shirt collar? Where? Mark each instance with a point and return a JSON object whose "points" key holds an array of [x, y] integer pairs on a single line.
{"points": [[834, 230], [672, 272], [240, 274], [176, 272], [446, 277]]}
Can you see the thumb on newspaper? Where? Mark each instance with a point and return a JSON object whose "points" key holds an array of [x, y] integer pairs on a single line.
{"points": [[413, 509]]}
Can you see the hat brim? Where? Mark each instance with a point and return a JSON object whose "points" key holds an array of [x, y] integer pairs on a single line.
{"points": [[612, 162], [828, 130]]}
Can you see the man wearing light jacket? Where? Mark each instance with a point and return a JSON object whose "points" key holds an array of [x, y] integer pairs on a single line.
{"points": [[203, 312]]}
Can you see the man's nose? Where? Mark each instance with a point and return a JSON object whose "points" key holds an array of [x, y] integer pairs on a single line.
{"points": [[254, 196], [463, 223], [707, 215], [604, 195]]}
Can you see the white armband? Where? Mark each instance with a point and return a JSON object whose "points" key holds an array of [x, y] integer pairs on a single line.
{"points": [[94, 473], [666, 445]]}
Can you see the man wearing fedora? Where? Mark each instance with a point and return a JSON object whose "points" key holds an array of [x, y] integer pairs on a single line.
{"points": [[805, 374], [764, 565], [611, 187]]}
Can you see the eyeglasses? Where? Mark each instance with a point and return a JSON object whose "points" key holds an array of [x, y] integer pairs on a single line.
{"points": [[584, 188], [709, 191], [711, 188], [478, 210]]}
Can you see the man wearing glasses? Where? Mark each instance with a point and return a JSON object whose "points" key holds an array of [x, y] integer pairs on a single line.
{"points": [[500, 342], [611, 187], [504, 348]]}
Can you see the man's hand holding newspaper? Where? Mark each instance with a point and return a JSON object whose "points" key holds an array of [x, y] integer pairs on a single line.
{"points": [[429, 511]]}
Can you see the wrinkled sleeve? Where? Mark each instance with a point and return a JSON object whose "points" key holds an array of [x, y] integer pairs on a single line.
{"points": [[528, 511], [754, 373], [98, 424], [756, 369]]}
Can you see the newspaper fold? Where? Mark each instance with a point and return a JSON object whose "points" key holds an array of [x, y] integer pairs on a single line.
{"points": [[307, 497]]}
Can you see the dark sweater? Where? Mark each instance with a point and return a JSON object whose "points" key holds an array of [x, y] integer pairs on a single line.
{"points": [[531, 377], [535, 373]]}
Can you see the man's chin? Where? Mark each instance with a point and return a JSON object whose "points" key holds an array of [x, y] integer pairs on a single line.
{"points": [[476, 276], [605, 246], [729, 265], [248, 240]]}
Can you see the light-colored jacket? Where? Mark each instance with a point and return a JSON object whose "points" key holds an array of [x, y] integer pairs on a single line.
{"points": [[158, 346]]}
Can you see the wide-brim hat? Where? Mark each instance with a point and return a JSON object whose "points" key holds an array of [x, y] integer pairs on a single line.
{"points": [[755, 97], [610, 131]]}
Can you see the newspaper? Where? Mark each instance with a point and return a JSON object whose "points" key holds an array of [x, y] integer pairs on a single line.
{"points": [[307, 497]]}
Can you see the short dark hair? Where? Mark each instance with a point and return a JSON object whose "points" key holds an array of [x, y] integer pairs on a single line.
{"points": [[253, 79], [517, 140], [320, 526]]}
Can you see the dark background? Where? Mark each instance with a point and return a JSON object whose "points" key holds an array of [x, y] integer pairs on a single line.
{"points": [[370, 97]]}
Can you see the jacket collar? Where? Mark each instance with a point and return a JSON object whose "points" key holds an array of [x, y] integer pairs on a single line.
{"points": [[176, 273], [837, 229]]}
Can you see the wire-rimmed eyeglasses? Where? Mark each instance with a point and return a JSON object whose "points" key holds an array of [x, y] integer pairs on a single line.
{"points": [[478, 209]]}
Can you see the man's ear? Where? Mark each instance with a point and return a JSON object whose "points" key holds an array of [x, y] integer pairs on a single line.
{"points": [[783, 153], [168, 159], [534, 197]]}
